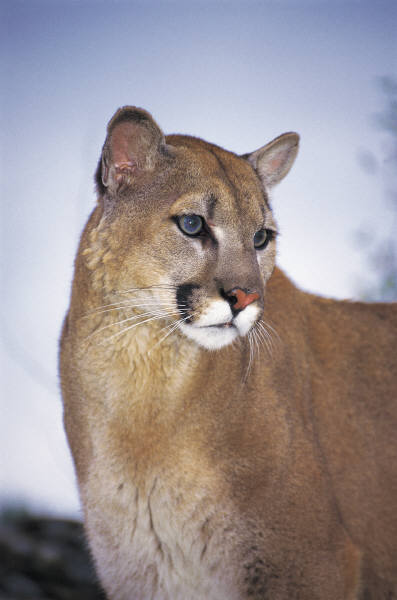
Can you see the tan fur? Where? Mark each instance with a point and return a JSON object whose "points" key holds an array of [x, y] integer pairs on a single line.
{"points": [[264, 469]]}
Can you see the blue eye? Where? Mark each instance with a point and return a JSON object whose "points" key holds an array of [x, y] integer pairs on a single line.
{"points": [[261, 238], [190, 224]]}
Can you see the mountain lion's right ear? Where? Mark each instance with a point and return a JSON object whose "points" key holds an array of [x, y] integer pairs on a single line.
{"points": [[132, 147], [273, 161]]}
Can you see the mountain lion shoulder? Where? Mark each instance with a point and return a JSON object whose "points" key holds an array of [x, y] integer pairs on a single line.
{"points": [[233, 437]]}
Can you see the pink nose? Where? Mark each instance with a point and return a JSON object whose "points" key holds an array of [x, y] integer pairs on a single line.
{"points": [[242, 298]]}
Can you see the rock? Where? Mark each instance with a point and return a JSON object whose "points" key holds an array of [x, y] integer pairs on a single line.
{"points": [[43, 558]]}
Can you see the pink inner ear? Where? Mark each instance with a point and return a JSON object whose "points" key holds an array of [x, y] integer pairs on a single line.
{"points": [[122, 154], [124, 169], [276, 162]]}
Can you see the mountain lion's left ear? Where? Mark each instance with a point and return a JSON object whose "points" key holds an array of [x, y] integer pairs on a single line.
{"points": [[273, 161]]}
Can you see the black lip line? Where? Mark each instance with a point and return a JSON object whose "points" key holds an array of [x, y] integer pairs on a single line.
{"points": [[228, 324]]}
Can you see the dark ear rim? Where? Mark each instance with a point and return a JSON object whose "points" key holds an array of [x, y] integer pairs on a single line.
{"points": [[99, 187], [135, 114]]}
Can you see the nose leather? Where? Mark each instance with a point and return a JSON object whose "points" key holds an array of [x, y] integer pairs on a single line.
{"points": [[243, 299]]}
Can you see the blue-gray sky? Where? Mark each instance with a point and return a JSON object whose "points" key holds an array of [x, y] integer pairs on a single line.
{"points": [[237, 73]]}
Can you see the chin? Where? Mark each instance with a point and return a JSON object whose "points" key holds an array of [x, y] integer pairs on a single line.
{"points": [[211, 338]]}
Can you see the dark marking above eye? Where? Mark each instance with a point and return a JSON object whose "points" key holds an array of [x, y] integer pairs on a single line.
{"points": [[211, 206]]}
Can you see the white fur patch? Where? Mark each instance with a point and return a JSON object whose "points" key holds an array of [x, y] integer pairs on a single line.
{"points": [[210, 337], [246, 318], [209, 330], [217, 312]]}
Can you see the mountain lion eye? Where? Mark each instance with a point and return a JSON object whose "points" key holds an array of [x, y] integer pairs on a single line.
{"points": [[261, 238], [190, 224]]}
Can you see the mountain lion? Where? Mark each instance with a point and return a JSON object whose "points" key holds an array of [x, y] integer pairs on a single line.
{"points": [[233, 436]]}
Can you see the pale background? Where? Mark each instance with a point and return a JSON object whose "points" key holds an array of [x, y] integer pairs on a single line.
{"points": [[236, 73]]}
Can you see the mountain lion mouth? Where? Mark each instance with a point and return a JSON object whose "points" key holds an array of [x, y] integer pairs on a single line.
{"points": [[217, 335]]}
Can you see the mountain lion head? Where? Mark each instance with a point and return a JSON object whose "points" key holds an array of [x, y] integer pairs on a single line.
{"points": [[195, 232]]}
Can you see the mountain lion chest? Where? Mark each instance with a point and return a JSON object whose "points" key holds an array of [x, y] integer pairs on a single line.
{"points": [[161, 532]]}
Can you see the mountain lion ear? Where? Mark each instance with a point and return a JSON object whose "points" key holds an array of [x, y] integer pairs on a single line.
{"points": [[273, 161], [133, 144]]}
